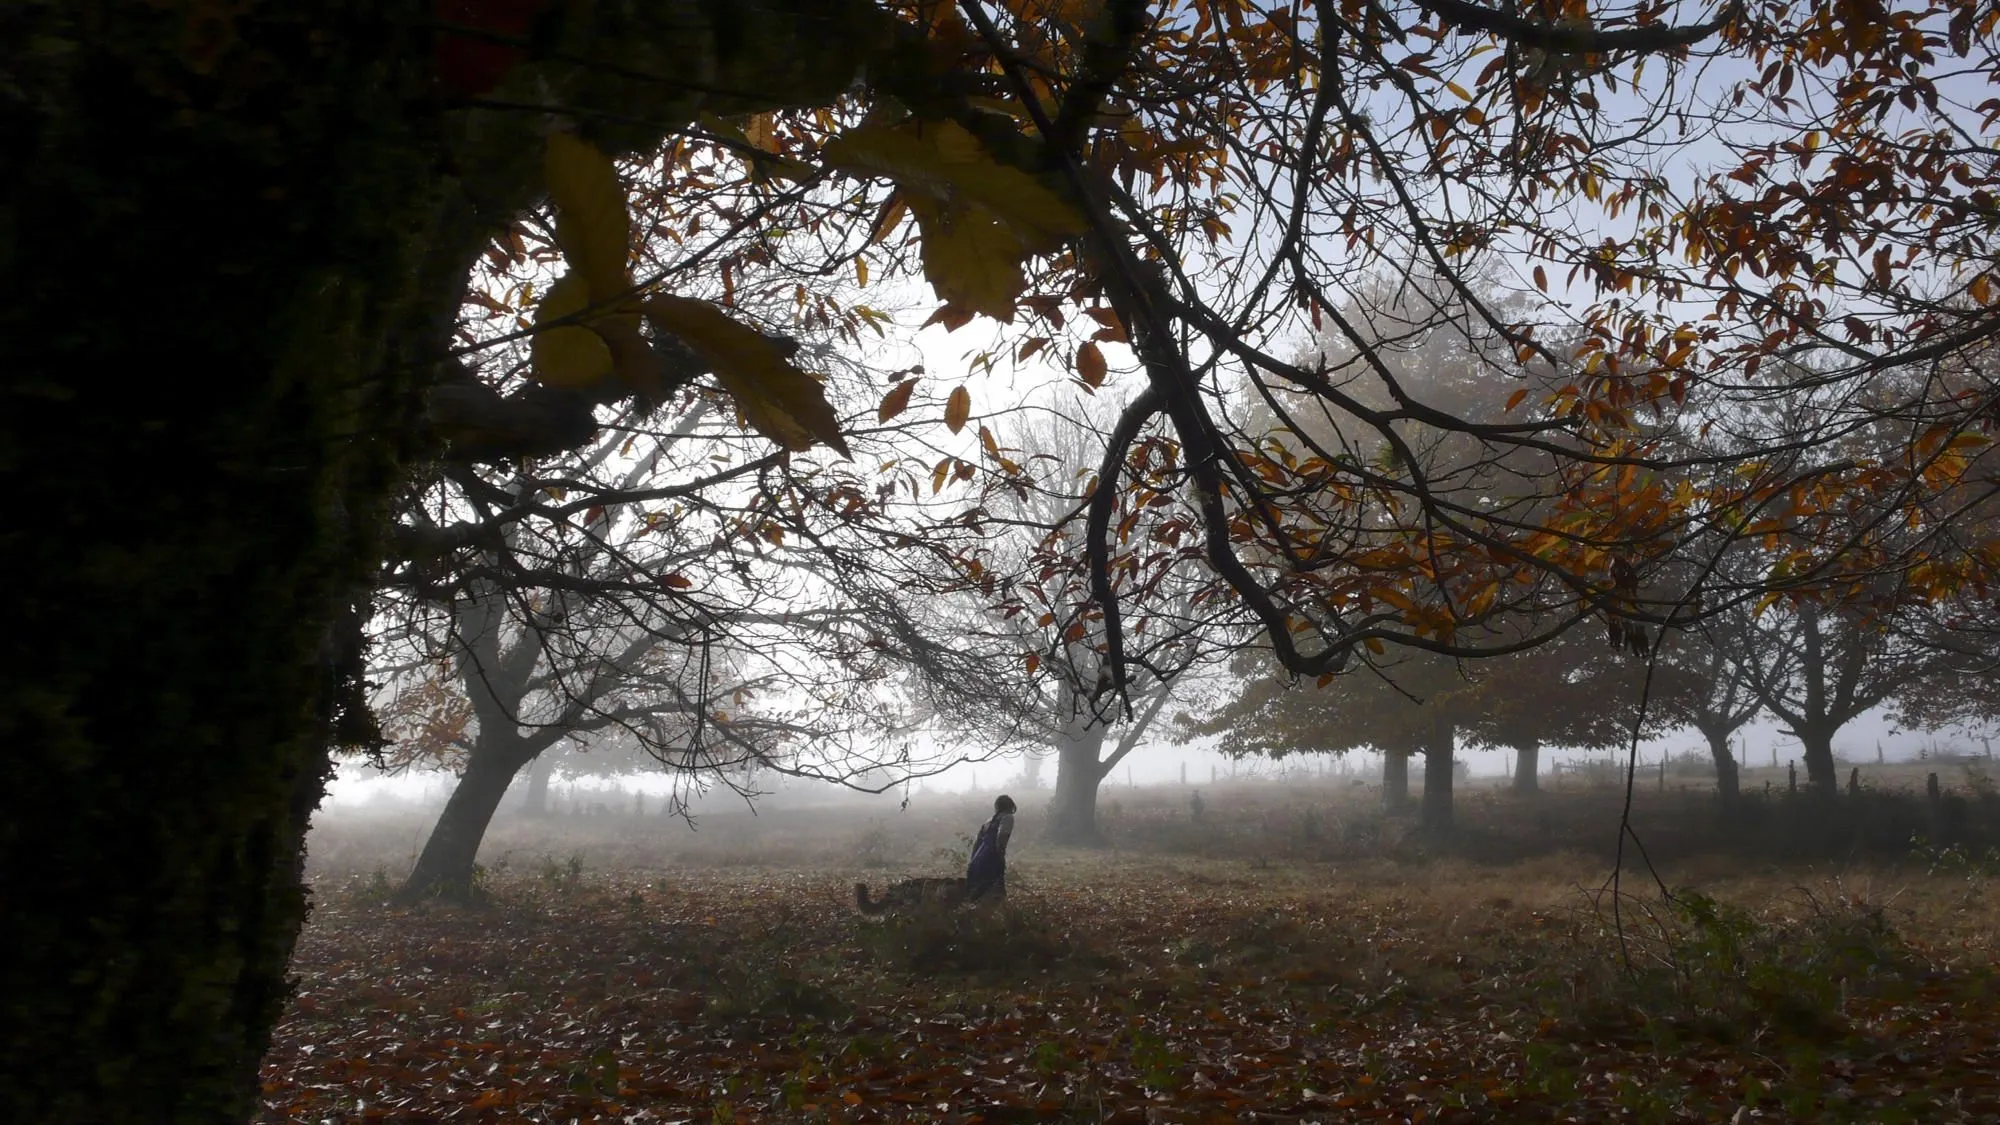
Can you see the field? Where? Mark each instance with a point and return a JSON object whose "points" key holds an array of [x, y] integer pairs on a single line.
{"points": [[1290, 956]]}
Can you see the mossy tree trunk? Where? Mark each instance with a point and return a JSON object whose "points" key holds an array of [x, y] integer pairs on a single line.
{"points": [[1080, 770], [238, 237], [1728, 786], [220, 233], [535, 802]]}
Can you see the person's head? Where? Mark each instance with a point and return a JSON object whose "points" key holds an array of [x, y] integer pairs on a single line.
{"points": [[1003, 804]]}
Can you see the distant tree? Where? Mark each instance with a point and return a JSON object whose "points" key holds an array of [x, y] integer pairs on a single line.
{"points": [[1572, 691], [1717, 699], [1050, 611], [651, 595]]}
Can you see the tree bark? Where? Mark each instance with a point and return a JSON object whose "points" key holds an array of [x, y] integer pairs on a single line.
{"points": [[1527, 768], [1073, 813], [444, 868], [1728, 787], [170, 675], [1440, 745], [1395, 782], [535, 802], [172, 663], [1822, 774]]}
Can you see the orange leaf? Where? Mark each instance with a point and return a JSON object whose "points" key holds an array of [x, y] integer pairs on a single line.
{"points": [[1090, 366], [896, 401]]}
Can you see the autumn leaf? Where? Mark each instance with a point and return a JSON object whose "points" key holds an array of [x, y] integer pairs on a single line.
{"points": [[978, 218], [1090, 366], [567, 355], [971, 259], [778, 399], [958, 409], [941, 159], [896, 401], [591, 223]]}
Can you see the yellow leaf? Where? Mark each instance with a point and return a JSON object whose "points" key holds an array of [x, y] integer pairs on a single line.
{"points": [[761, 130], [780, 401], [957, 409], [632, 358], [1514, 399], [1090, 365], [861, 271], [943, 160], [896, 401], [591, 224], [971, 259], [567, 355]]}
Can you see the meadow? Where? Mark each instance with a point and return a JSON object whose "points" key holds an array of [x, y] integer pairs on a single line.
{"points": [[1291, 954]]}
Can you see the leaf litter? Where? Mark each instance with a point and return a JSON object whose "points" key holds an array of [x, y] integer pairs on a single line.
{"points": [[1124, 991]]}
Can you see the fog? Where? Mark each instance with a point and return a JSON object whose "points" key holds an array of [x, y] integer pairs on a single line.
{"points": [[1761, 743]]}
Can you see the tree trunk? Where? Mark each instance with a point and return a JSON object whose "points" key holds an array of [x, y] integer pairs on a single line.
{"points": [[535, 802], [1822, 775], [173, 657], [170, 675], [1527, 767], [1728, 788], [1439, 748], [1073, 814], [444, 868], [1395, 782]]}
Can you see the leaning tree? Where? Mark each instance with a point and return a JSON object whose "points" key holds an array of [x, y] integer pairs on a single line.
{"points": [[1203, 179]]}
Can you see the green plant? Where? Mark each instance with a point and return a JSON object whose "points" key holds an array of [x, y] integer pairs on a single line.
{"points": [[1161, 1068], [561, 877], [1727, 973]]}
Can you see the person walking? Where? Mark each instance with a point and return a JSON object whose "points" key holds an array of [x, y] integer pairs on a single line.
{"points": [[986, 870]]}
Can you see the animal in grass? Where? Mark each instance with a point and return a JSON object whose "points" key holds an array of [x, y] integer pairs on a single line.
{"points": [[910, 894]]}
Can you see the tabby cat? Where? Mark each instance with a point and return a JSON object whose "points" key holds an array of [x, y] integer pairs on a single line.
{"points": [[910, 894]]}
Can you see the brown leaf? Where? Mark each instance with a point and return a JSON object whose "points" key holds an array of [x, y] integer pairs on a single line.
{"points": [[958, 409], [896, 401]]}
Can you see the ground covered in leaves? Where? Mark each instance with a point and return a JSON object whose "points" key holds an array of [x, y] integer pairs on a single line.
{"points": [[1152, 988]]}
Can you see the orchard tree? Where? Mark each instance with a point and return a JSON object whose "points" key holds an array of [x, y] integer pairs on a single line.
{"points": [[1718, 699], [1203, 179], [1040, 506], [1570, 691]]}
